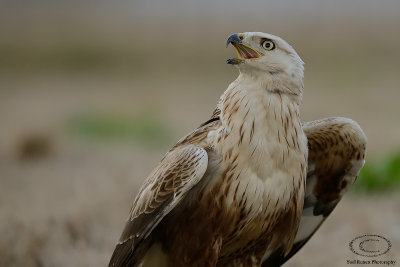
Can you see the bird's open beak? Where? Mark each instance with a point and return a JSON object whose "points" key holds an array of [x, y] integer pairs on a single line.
{"points": [[243, 51]]}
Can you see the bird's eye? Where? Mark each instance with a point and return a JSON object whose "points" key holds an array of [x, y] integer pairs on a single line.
{"points": [[268, 45]]}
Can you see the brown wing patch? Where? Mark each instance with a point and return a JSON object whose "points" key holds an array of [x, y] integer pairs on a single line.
{"points": [[337, 148], [163, 190]]}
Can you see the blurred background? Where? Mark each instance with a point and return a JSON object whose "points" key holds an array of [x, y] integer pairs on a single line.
{"points": [[93, 93]]}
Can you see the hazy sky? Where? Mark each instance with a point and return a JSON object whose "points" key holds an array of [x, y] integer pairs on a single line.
{"points": [[211, 7]]}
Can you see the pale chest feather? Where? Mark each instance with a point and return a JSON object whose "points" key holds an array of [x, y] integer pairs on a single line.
{"points": [[262, 148]]}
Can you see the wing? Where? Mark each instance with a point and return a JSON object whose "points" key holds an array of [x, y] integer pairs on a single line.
{"points": [[335, 158], [180, 170]]}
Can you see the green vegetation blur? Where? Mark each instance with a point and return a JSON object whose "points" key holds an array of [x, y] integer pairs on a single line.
{"points": [[378, 176], [144, 128]]}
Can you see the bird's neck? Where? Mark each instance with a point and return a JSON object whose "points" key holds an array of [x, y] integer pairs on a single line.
{"points": [[287, 83], [267, 98]]}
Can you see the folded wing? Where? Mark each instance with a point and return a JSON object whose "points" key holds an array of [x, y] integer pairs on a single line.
{"points": [[179, 171]]}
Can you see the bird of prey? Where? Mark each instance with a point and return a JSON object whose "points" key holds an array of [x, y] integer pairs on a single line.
{"points": [[231, 192]]}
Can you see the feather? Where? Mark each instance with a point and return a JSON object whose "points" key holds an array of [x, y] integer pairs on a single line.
{"points": [[166, 186]]}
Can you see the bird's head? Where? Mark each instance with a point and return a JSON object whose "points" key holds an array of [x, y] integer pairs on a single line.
{"points": [[263, 53]]}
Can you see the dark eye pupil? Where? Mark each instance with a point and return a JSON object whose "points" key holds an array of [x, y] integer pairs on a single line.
{"points": [[268, 45]]}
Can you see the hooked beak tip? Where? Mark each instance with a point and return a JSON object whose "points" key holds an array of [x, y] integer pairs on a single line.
{"points": [[234, 38]]}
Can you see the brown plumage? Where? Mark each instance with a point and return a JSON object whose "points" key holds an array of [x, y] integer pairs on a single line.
{"points": [[231, 193]]}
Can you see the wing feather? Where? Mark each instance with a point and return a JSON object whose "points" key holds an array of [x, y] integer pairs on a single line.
{"points": [[179, 171], [335, 158]]}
